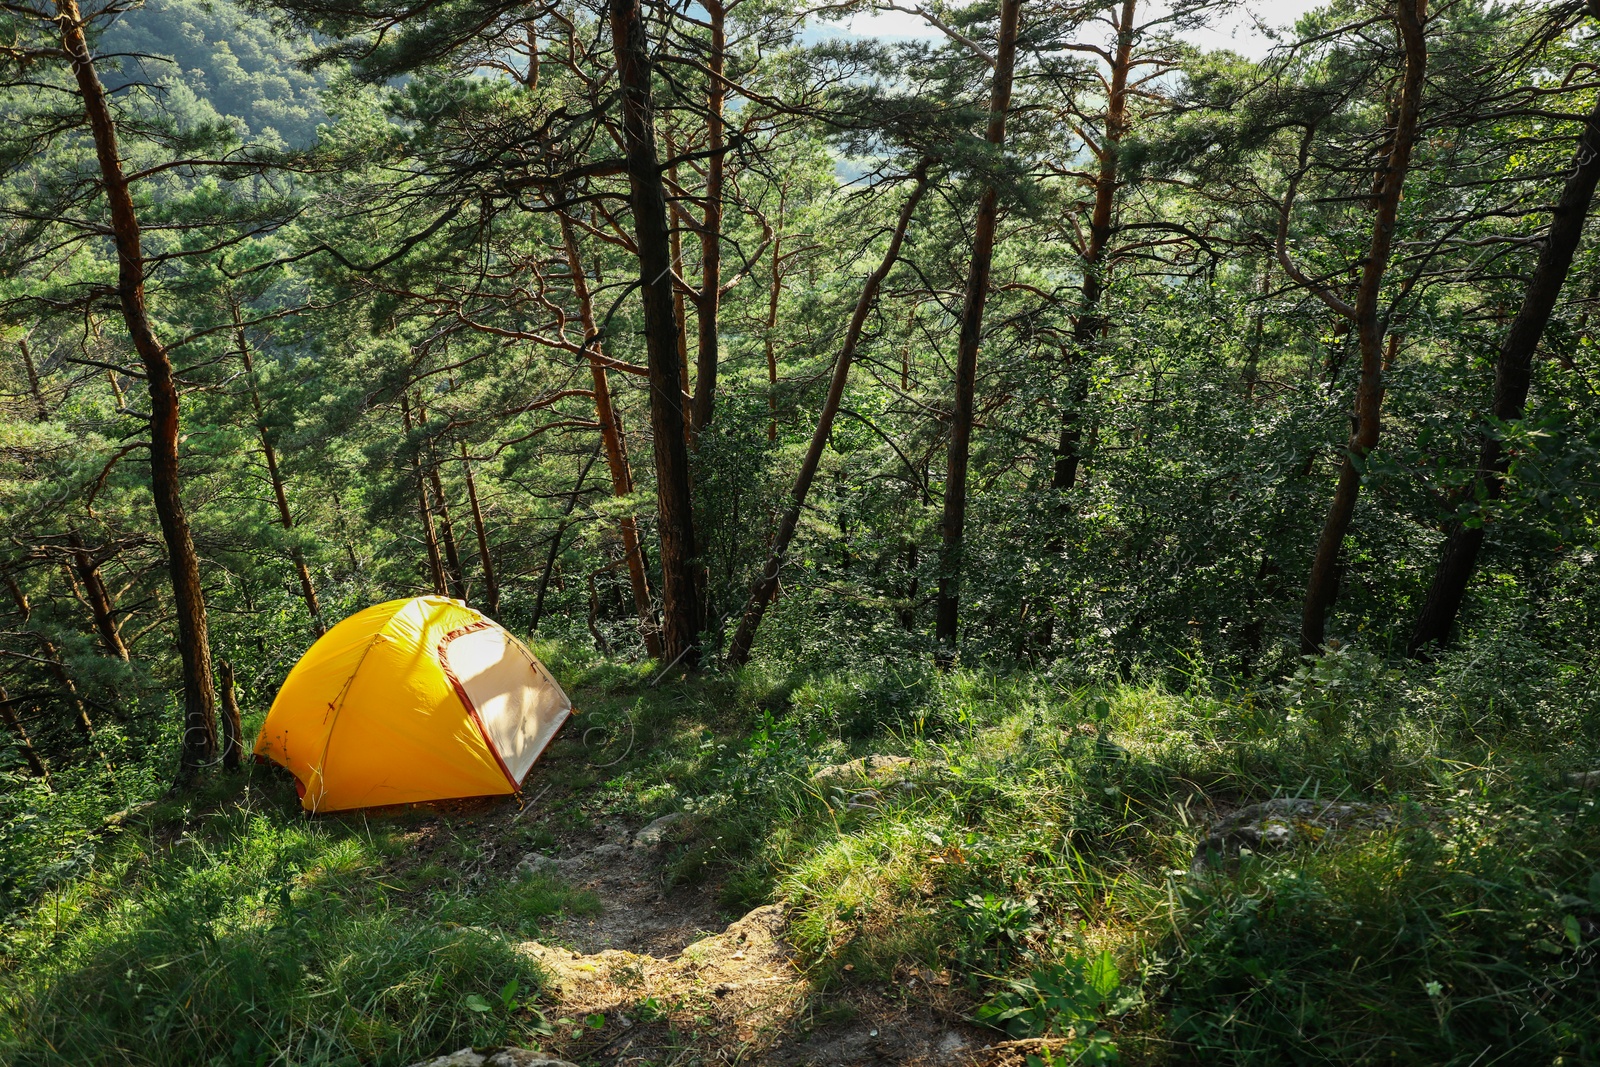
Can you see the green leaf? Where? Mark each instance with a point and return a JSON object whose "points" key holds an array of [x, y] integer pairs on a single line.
{"points": [[477, 1003], [1574, 931], [1102, 975]]}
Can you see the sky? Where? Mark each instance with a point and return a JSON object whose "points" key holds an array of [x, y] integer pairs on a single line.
{"points": [[1236, 30]]}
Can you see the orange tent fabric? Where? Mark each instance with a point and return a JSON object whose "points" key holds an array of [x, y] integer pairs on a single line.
{"points": [[412, 700]]}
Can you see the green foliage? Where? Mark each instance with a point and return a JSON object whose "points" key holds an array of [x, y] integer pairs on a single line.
{"points": [[358, 264], [1069, 999], [1432, 943], [996, 929], [229, 60], [1039, 850], [253, 937]]}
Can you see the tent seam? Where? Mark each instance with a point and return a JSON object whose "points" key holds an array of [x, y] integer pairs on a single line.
{"points": [[466, 699], [344, 695]]}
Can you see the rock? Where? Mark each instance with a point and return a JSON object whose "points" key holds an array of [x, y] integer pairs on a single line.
{"points": [[653, 835], [538, 863], [868, 770], [496, 1057], [606, 852], [1585, 779], [1281, 823], [127, 815]]}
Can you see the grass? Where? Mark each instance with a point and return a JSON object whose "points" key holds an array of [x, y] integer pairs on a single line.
{"points": [[1039, 855], [245, 934]]}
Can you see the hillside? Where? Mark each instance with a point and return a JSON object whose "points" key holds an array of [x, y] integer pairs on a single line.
{"points": [[677, 534], [230, 58], [847, 883]]}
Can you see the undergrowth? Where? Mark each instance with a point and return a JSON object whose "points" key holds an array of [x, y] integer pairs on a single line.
{"points": [[248, 935], [1038, 848]]}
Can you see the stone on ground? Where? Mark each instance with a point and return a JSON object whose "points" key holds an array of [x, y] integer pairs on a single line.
{"points": [[1283, 822], [868, 770], [496, 1057], [655, 833]]}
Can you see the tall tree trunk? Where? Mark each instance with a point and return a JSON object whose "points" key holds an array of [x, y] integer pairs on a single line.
{"points": [[1370, 327], [1090, 323], [232, 728], [961, 414], [710, 299], [1251, 374], [1513, 374], [194, 646], [41, 409], [770, 343], [344, 531], [455, 573], [307, 591], [35, 764], [97, 596], [679, 308], [530, 31], [767, 584], [52, 658], [491, 587], [47, 647], [555, 542], [680, 593], [424, 507], [615, 444]]}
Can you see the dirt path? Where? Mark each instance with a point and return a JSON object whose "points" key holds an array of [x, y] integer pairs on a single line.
{"points": [[660, 977]]}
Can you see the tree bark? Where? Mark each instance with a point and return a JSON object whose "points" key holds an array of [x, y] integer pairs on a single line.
{"points": [[770, 343], [555, 542], [1090, 322], [614, 442], [1322, 585], [679, 308], [1513, 374], [709, 301], [47, 648], [194, 646], [31, 754], [977, 292], [766, 585], [232, 728], [52, 657], [97, 596], [491, 587], [308, 592], [41, 409], [424, 508], [680, 594], [455, 573]]}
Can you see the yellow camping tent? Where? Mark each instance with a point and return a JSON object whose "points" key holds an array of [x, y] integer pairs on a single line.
{"points": [[420, 699]]}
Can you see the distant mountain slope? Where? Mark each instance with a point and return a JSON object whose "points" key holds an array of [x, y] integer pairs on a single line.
{"points": [[230, 58]]}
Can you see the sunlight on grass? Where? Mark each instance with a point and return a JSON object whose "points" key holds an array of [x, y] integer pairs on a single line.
{"points": [[1035, 845]]}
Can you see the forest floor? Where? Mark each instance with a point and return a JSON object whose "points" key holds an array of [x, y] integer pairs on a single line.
{"points": [[651, 972], [853, 868]]}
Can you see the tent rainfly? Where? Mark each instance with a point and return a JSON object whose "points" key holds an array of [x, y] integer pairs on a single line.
{"points": [[412, 700]]}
